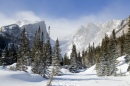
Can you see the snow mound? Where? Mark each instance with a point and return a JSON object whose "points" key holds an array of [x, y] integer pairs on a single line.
{"points": [[90, 70], [121, 60], [65, 71], [122, 66], [13, 65]]}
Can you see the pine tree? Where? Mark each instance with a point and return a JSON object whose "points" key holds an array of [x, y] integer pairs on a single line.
{"points": [[36, 67], [66, 60], [114, 54], [79, 61], [48, 53], [27, 51], [127, 40], [104, 65], [73, 58], [122, 43], [93, 54], [83, 58], [4, 57], [12, 53], [101, 65], [56, 59], [23, 53], [90, 55], [97, 55], [34, 48], [39, 54]]}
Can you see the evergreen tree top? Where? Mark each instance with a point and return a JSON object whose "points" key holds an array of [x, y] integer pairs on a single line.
{"points": [[57, 42]]}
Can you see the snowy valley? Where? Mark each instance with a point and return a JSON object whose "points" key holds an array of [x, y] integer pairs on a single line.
{"points": [[30, 57]]}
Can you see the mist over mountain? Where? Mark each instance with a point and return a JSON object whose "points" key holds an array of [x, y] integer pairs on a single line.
{"points": [[90, 33]]}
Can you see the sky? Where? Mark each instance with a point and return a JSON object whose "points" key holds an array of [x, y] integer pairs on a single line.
{"points": [[63, 16]]}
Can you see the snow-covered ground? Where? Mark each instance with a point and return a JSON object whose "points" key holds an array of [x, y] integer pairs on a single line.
{"points": [[85, 78], [16, 78]]}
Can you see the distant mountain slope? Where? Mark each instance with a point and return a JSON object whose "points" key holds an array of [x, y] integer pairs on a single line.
{"points": [[91, 33], [30, 26]]}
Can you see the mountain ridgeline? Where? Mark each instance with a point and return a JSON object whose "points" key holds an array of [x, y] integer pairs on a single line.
{"points": [[92, 33], [12, 32]]}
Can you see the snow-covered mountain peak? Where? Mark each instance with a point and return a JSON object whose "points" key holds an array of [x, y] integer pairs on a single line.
{"points": [[90, 33], [30, 26], [90, 24]]}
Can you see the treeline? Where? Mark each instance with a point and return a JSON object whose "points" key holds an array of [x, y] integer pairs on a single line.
{"points": [[105, 55], [40, 57]]}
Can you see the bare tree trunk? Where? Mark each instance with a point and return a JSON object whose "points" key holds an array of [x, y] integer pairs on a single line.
{"points": [[51, 78]]}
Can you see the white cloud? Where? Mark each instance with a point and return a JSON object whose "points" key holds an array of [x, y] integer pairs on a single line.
{"points": [[26, 15], [4, 20], [22, 15]]}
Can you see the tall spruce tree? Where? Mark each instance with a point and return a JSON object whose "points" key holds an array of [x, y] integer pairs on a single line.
{"points": [[66, 60], [12, 53], [90, 56], [4, 57], [39, 54], [48, 53], [83, 58], [73, 58], [34, 48], [104, 65], [113, 52], [23, 53], [56, 59], [79, 61], [122, 44]]}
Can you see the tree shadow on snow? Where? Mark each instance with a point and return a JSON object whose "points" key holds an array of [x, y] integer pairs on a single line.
{"points": [[82, 79], [28, 78]]}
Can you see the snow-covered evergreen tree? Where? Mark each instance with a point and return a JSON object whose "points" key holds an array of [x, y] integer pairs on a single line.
{"points": [[104, 65], [56, 59], [38, 51], [122, 44], [4, 57], [41, 54], [12, 53], [113, 52], [66, 60], [79, 61], [48, 53], [127, 39], [83, 58], [24, 55], [73, 58]]}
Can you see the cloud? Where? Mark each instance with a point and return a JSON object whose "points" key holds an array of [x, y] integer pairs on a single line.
{"points": [[27, 15], [22, 15], [5, 20]]}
